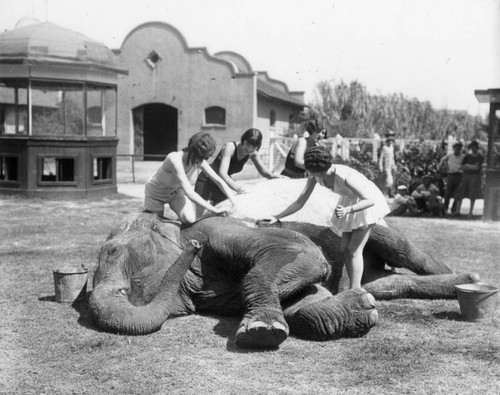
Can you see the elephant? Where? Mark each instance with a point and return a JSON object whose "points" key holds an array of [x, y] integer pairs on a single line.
{"points": [[284, 279]]}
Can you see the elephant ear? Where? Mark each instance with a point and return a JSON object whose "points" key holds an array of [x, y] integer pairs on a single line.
{"points": [[143, 221]]}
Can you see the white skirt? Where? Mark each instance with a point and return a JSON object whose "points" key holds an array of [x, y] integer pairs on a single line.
{"points": [[363, 218]]}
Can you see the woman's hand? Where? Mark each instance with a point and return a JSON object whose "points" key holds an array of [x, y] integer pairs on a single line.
{"points": [[267, 221], [341, 211], [224, 211]]}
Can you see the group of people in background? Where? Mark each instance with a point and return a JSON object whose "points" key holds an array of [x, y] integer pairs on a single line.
{"points": [[462, 180]]}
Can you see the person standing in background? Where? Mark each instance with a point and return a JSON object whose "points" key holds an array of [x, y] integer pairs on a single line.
{"points": [[452, 164], [387, 165], [470, 186]]}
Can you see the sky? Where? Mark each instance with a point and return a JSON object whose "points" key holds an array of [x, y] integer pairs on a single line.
{"points": [[433, 50]]}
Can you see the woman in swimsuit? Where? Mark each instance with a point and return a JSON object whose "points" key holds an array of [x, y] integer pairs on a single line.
{"points": [[170, 184], [230, 160], [361, 205], [294, 163]]}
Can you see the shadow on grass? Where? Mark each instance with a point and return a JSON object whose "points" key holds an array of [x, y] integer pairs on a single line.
{"points": [[448, 315], [81, 306]]}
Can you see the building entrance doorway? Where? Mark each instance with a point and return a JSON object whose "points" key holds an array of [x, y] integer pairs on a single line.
{"points": [[155, 130]]}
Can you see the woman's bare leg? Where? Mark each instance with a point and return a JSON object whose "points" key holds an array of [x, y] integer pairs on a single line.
{"points": [[353, 250], [184, 208]]}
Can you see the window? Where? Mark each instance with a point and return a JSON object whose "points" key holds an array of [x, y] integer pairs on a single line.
{"points": [[13, 106], [57, 108], [153, 59], [8, 168], [215, 116], [272, 118], [102, 169], [101, 111], [57, 170]]}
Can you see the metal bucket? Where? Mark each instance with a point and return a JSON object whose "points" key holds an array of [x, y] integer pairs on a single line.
{"points": [[477, 301], [70, 284]]}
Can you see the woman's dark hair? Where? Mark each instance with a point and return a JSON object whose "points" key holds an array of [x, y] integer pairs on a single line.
{"points": [[200, 146], [317, 159], [314, 126], [253, 137]]}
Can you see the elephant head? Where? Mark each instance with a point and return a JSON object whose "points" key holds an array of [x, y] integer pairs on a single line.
{"points": [[141, 266]]}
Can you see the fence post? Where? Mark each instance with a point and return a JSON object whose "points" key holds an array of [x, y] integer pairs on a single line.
{"points": [[376, 144], [132, 161]]}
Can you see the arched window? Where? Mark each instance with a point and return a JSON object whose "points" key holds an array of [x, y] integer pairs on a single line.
{"points": [[215, 116], [272, 118]]}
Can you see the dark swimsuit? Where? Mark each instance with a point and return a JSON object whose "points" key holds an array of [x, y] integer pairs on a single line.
{"points": [[290, 169], [206, 188]]}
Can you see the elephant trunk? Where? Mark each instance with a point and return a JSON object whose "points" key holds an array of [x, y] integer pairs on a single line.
{"points": [[111, 310]]}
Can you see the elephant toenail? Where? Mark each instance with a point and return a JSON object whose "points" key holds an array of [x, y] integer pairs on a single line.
{"points": [[257, 325], [373, 317], [369, 300]]}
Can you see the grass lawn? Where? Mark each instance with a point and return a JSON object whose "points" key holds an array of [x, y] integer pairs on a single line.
{"points": [[420, 346]]}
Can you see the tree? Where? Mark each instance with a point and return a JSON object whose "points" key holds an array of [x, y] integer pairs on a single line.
{"points": [[350, 110]]}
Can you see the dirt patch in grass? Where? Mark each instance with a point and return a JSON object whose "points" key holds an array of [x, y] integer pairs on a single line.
{"points": [[420, 346]]}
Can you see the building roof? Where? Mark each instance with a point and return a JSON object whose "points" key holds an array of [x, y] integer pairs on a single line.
{"points": [[47, 43], [267, 90]]}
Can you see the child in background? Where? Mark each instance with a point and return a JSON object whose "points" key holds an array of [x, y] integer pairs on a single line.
{"points": [[403, 203]]}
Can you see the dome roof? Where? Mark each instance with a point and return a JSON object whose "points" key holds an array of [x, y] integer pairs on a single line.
{"points": [[45, 42]]}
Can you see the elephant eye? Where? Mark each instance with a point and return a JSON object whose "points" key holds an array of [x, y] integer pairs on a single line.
{"points": [[112, 251]]}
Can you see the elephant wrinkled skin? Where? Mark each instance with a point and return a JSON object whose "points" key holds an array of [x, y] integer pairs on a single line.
{"points": [[287, 278]]}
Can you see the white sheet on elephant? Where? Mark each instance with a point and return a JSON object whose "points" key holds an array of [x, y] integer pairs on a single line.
{"points": [[269, 197]]}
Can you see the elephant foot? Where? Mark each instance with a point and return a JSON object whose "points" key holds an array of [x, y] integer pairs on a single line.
{"points": [[351, 313], [266, 329]]}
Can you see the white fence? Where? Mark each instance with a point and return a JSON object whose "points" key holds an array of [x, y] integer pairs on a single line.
{"points": [[279, 147]]}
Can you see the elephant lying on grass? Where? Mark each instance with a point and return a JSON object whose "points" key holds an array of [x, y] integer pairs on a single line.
{"points": [[282, 279]]}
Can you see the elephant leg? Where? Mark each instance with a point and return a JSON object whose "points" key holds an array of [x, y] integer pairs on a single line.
{"points": [[318, 315], [439, 286], [264, 325]]}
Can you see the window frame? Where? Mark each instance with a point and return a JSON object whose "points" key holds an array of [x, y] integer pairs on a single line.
{"points": [[12, 156], [214, 124], [56, 183], [95, 160]]}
